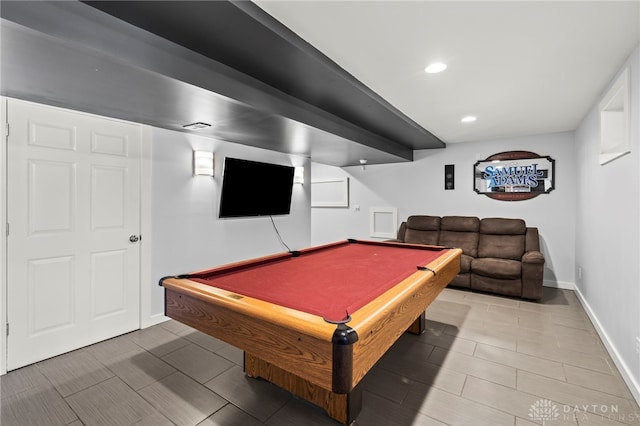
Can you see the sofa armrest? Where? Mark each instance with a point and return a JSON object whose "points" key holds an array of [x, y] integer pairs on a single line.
{"points": [[534, 257], [401, 232], [532, 240], [532, 275]]}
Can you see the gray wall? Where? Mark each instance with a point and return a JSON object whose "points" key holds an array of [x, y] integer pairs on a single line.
{"points": [[418, 188], [187, 234], [608, 232]]}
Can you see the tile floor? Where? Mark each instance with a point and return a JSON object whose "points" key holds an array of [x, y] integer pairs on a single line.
{"points": [[485, 360]]}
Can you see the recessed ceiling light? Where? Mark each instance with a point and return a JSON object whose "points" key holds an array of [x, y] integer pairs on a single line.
{"points": [[436, 67], [468, 119], [196, 126]]}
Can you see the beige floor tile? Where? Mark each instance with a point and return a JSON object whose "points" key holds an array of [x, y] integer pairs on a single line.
{"points": [[607, 419], [23, 379], [230, 415], [110, 402], [473, 366], [573, 396], [254, 396], [451, 294], [531, 319], [379, 411], [35, 406], [73, 372], [608, 383], [175, 327], [114, 349], [529, 422], [490, 299], [232, 354], [449, 342], [482, 335], [182, 400], [210, 343], [298, 412], [158, 340], [460, 372], [519, 404], [567, 356], [586, 344], [410, 346], [197, 363], [425, 373], [140, 369], [452, 313], [434, 328], [455, 410], [521, 361], [156, 419]]}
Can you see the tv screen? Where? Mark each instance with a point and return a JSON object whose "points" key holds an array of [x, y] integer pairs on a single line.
{"points": [[251, 188]]}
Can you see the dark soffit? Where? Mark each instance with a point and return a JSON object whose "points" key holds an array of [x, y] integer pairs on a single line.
{"points": [[244, 37]]}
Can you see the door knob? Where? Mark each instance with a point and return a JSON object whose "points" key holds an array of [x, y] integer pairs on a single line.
{"points": [[134, 238]]}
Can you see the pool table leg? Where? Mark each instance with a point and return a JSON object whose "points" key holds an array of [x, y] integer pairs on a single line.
{"points": [[341, 407], [419, 325]]}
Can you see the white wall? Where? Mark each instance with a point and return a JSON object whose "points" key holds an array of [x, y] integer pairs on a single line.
{"points": [[418, 188], [186, 232], [608, 235]]}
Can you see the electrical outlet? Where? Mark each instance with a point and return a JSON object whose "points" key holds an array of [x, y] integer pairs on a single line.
{"points": [[579, 272]]}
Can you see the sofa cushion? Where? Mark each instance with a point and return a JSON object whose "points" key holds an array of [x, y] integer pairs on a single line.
{"points": [[501, 246], [500, 226], [465, 263], [460, 223], [424, 223], [422, 230], [467, 241], [502, 238], [496, 268]]}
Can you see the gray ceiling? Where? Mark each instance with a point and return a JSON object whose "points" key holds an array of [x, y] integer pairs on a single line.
{"points": [[228, 64]]}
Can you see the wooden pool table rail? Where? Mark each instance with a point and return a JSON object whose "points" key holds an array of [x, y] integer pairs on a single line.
{"points": [[294, 349]]}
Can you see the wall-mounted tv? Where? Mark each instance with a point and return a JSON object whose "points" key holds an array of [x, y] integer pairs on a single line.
{"points": [[252, 188]]}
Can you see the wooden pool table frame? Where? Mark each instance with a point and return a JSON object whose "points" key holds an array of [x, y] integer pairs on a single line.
{"points": [[316, 360]]}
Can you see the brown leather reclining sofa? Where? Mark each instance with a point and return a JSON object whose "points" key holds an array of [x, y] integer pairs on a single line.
{"points": [[499, 255]]}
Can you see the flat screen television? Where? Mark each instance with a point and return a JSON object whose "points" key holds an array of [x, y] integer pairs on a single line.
{"points": [[252, 188]]}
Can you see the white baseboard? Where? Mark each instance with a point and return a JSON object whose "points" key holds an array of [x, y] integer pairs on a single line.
{"points": [[564, 285], [153, 320], [623, 368]]}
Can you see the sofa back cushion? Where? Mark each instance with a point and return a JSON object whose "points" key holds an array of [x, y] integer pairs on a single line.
{"points": [[502, 238], [422, 230], [460, 232]]}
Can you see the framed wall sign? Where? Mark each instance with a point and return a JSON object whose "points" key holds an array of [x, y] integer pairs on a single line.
{"points": [[514, 175]]}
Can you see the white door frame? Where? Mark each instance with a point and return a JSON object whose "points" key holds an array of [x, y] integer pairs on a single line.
{"points": [[3, 235], [146, 316]]}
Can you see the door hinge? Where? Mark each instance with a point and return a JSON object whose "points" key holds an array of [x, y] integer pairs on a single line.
{"points": [[7, 229], [7, 329], [7, 130]]}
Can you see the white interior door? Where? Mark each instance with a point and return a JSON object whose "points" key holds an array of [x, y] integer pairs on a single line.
{"points": [[73, 204]]}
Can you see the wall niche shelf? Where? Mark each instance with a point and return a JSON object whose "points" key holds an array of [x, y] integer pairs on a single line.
{"points": [[614, 111]]}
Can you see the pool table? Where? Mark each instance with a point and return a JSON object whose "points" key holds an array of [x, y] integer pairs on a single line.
{"points": [[314, 321]]}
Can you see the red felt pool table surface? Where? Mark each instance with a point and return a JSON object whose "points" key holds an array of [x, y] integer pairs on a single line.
{"points": [[331, 281], [273, 308]]}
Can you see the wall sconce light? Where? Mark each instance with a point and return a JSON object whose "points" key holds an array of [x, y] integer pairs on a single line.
{"points": [[203, 163], [363, 163], [298, 175]]}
